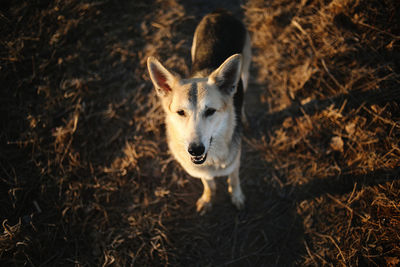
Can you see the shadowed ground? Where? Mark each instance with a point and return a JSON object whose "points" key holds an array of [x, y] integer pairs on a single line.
{"points": [[85, 175]]}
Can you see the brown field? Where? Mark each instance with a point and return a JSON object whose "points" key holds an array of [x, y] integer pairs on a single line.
{"points": [[85, 175]]}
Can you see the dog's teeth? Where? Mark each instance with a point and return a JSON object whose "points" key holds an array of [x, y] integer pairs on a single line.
{"points": [[199, 159]]}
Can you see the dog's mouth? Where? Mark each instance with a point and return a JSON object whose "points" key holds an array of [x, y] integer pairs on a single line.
{"points": [[199, 159]]}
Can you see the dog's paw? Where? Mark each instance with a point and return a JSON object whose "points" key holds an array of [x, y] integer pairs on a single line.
{"points": [[238, 199], [203, 205]]}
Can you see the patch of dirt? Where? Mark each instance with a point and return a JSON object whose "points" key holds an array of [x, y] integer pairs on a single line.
{"points": [[86, 178]]}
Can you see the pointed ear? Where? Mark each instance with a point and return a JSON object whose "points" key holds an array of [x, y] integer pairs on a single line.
{"points": [[227, 76], [160, 76]]}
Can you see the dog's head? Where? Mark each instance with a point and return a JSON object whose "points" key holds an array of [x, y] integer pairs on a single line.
{"points": [[197, 108]]}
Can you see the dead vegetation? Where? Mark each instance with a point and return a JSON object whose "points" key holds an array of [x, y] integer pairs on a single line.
{"points": [[86, 178]]}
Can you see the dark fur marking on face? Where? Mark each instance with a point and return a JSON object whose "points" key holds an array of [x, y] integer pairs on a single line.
{"points": [[193, 92]]}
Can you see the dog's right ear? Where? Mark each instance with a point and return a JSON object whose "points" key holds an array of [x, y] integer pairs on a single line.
{"points": [[160, 76]]}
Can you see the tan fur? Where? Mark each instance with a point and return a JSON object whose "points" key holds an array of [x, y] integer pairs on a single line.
{"points": [[222, 156]]}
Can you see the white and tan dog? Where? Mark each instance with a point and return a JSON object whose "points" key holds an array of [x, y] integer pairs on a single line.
{"points": [[204, 112]]}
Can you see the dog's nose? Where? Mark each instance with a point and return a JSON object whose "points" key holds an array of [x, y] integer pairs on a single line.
{"points": [[196, 149]]}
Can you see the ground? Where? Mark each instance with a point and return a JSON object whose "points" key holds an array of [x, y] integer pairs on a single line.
{"points": [[86, 178]]}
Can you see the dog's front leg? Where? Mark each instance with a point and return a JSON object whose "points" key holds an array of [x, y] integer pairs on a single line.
{"points": [[204, 203], [235, 190]]}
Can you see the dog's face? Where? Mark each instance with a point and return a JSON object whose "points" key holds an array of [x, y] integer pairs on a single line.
{"points": [[196, 108]]}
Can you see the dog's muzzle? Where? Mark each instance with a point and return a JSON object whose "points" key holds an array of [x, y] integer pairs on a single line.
{"points": [[197, 152]]}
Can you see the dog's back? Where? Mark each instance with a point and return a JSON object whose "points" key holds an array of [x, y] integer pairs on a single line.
{"points": [[218, 36]]}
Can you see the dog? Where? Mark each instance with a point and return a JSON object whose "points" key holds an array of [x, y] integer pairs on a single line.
{"points": [[204, 112]]}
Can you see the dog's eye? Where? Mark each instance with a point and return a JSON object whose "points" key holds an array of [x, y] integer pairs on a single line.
{"points": [[181, 112], [209, 112]]}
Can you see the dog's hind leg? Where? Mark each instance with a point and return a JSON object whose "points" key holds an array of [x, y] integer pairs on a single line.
{"points": [[204, 203], [235, 190]]}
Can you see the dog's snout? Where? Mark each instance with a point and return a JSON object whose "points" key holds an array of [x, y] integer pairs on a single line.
{"points": [[196, 149]]}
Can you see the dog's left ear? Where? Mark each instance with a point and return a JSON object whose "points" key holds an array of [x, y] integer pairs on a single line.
{"points": [[227, 76], [160, 76]]}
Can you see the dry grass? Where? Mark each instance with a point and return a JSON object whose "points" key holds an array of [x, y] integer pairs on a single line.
{"points": [[86, 178]]}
